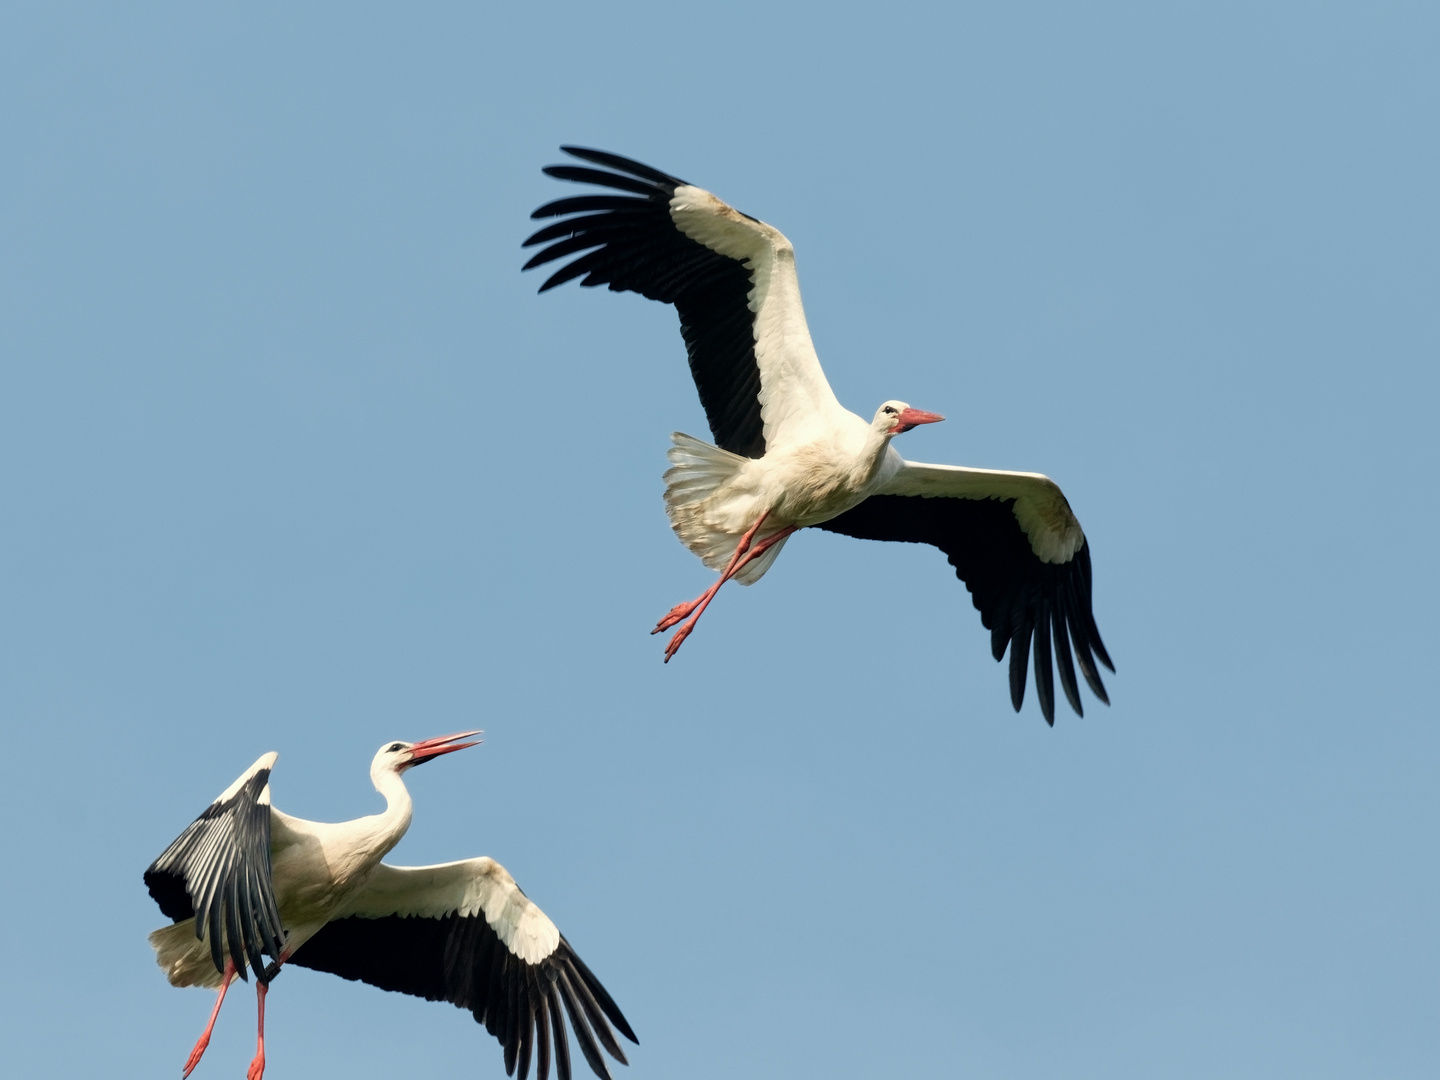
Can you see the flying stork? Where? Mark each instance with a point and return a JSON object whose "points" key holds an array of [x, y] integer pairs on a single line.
{"points": [[248, 886], [787, 455]]}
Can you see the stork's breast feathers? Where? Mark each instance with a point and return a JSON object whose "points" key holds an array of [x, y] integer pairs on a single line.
{"points": [[817, 484]]}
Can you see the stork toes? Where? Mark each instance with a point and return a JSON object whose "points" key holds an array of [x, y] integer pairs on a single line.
{"points": [[680, 611], [195, 1055], [199, 1051], [676, 614], [257, 1066], [745, 553], [680, 635]]}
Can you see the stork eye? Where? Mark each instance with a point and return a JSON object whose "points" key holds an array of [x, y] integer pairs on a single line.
{"points": [[395, 746], [890, 410]]}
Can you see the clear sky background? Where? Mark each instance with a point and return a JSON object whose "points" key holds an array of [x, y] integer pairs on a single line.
{"points": [[292, 457]]}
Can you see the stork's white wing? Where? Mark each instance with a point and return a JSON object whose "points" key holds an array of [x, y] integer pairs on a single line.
{"points": [[463, 932], [1040, 507], [1016, 545], [796, 401], [470, 887], [731, 278]]}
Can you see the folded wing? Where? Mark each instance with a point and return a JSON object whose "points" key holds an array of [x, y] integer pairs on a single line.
{"points": [[731, 278], [1018, 548], [465, 933], [218, 870]]}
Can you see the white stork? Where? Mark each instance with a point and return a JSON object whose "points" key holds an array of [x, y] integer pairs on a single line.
{"points": [[786, 453], [245, 882]]}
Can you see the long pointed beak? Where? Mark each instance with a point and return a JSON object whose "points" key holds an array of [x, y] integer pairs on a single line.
{"points": [[429, 749], [910, 418]]}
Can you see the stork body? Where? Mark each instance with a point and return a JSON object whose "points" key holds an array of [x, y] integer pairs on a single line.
{"points": [[737, 512], [786, 453], [251, 888]]}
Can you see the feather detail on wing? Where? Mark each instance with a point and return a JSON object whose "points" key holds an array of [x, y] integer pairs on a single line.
{"points": [[1018, 548], [464, 932], [1041, 509], [731, 278], [218, 872], [467, 888]]}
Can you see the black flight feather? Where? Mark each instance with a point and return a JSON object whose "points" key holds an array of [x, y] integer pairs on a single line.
{"points": [[632, 245], [218, 872], [460, 959], [1024, 603], [562, 1041]]}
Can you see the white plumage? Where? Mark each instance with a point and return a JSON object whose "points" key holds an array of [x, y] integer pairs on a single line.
{"points": [[467, 888], [786, 454], [250, 887]]}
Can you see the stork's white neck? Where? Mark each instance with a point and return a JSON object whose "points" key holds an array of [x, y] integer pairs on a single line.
{"points": [[383, 831], [876, 443]]}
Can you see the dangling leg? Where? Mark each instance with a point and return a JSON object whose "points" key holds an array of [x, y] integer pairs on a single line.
{"points": [[679, 611], [204, 1040], [257, 1066], [262, 987], [738, 563]]}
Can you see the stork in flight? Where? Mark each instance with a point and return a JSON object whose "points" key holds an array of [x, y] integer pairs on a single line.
{"points": [[246, 882], [787, 455]]}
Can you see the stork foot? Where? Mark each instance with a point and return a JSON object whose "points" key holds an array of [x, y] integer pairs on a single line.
{"points": [[195, 1055], [257, 1066], [676, 614], [677, 640]]}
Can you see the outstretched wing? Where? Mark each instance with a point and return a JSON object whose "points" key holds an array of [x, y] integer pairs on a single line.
{"points": [[731, 278], [218, 871], [1018, 548], [463, 932]]}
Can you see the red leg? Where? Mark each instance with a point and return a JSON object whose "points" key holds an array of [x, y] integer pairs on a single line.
{"points": [[204, 1040], [679, 611], [736, 565], [257, 1066]]}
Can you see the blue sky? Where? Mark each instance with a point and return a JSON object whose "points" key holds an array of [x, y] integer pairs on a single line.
{"points": [[292, 457]]}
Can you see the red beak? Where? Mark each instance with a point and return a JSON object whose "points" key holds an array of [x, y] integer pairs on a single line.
{"points": [[909, 418], [427, 749]]}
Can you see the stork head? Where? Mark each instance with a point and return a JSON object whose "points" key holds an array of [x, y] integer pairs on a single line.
{"points": [[896, 418], [399, 756]]}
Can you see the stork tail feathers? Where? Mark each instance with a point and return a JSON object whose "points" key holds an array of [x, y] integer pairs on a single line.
{"points": [[184, 958], [697, 470]]}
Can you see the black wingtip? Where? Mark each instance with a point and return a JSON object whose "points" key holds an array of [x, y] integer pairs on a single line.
{"points": [[624, 164], [999, 641], [589, 1049], [527, 1040], [562, 1040], [1019, 660], [1044, 672], [1065, 663], [580, 174], [1099, 648], [600, 995], [542, 1037]]}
